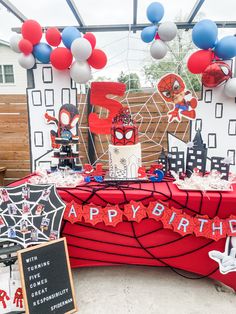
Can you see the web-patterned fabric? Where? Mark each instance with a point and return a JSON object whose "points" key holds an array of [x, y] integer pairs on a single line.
{"points": [[146, 243]]}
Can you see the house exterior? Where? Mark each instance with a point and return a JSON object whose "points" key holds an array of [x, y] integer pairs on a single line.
{"points": [[13, 78]]}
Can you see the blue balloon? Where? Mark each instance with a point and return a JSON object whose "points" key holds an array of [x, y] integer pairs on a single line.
{"points": [[226, 47], [155, 12], [42, 52], [148, 33], [204, 34], [69, 34]]}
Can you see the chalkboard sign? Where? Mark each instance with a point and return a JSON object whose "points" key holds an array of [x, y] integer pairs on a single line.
{"points": [[46, 279]]}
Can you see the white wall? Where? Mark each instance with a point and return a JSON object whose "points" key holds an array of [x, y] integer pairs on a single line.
{"points": [[51, 89], [7, 56]]}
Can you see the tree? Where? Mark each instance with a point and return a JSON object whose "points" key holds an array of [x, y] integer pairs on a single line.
{"points": [[131, 80], [102, 79], [175, 61]]}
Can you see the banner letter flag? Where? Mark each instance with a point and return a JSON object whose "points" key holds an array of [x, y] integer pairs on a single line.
{"points": [[73, 212], [92, 213], [156, 210], [183, 224], [135, 211], [169, 217], [112, 215], [201, 225], [218, 229], [231, 230]]}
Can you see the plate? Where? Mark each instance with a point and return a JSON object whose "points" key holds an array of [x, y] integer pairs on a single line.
{"points": [[107, 178], [207, 190]]}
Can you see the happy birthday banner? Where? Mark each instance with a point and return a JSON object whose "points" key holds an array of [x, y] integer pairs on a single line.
{"points": [[171, 218]]}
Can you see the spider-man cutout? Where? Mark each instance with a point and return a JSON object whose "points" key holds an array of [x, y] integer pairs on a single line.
{"points": [[124, 131], [216, 74], [68, 118], [3, 298], [172, 89], [18, 298]]}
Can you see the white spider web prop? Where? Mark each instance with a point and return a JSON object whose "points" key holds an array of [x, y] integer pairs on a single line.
{"points": [[147, 107], [30, 218]]}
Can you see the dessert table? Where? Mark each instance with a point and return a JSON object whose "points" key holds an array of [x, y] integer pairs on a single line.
{"points": [[147, 242]]}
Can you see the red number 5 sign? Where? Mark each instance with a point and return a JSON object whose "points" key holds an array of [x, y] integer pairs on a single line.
{"points": [[99, 97]]}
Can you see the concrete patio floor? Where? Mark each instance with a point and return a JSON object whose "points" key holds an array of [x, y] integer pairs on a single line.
{"points": [[143, 290]]}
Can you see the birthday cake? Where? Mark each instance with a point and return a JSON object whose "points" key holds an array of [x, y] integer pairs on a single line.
{"points": [[125, 151]]}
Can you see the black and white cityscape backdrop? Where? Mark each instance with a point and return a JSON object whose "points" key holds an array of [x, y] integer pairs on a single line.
{"points": [[48, 89]]}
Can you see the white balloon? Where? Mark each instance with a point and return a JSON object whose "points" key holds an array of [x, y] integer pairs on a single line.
{"points": [[14, 41], [158, 49], [26, 61], [80, 72], [81, 49], [167, 31], [230, 87]]}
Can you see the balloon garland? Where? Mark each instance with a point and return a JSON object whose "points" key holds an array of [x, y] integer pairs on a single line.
{"points": [[160, 34], [78, 54], [209, 61]]}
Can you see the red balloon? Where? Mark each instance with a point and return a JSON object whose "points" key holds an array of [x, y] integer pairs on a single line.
{"points": [[98, 59], [32, 31], [199, 60], [216, 74], [25, 46], [53, 36], [157, 36], [61, 58], [91, 38]]}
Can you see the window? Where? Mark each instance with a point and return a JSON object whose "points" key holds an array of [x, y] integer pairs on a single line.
{"points": [[231, 155], [65, 96], [38, 139], [36, 98], [49, 97], [51, 112], [219, 110], [211, 140], [6, 74], [208, 96], [47, 75], [1, 75], [198, 124], [232, 127]]}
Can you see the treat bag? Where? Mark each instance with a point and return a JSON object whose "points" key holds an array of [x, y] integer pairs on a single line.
{"points": [[5, 303], [17, 302]]}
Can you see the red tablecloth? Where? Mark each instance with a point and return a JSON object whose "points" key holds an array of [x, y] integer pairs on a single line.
{"points": [[146, 243]]}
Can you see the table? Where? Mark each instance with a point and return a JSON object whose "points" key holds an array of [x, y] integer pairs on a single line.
{"points": [[146, 243]]}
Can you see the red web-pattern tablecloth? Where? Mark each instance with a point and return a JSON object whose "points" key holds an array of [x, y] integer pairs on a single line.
{"points": [[146, 243]]}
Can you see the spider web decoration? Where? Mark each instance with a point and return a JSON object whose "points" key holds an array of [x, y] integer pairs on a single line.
{"points": [[30, 214], [146, 106]]}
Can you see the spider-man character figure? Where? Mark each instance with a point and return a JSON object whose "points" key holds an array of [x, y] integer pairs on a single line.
{"points": [[18, 298], [68, 118], [172, 90], [124, 131], [3, 298], [216, 74]]}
